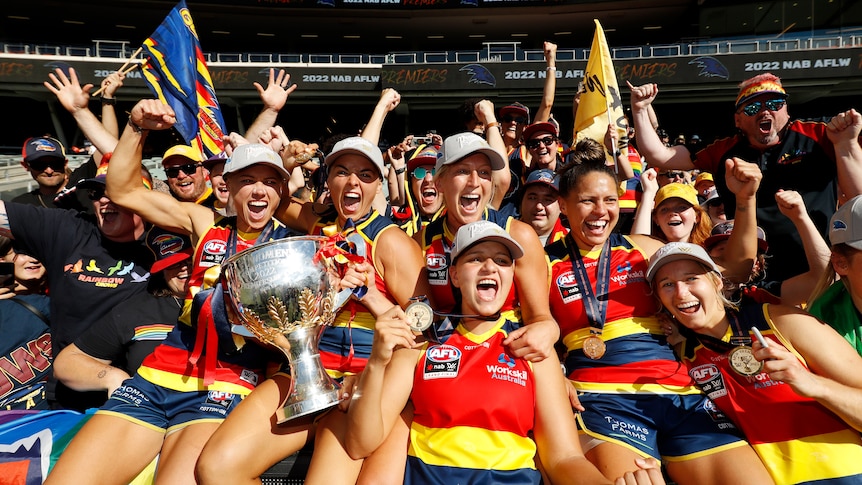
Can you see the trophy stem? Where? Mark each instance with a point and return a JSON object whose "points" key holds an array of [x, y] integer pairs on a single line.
{"points": [[311, 388]]}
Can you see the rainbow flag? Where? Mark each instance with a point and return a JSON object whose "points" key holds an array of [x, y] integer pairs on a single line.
{"points": [[176, 72]]}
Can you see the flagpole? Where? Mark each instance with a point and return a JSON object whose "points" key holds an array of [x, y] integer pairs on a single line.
{"points": [[121, 69], [613, 142]]}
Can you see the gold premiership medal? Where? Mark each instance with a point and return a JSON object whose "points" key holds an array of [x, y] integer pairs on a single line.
{"points": [[743, 362], [594, 347], [420, 316]]}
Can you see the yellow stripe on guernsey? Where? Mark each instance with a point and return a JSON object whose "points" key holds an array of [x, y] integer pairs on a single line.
{"points": [[186, 383], [616, 329], [814, 458], [470, 446]]}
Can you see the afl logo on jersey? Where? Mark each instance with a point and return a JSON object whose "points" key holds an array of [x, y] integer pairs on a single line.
{"points": [[443, 353], [215, 247], [567, 285], [435, 261]]}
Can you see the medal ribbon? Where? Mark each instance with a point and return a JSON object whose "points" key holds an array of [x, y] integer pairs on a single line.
{"points": [[596, 308]]}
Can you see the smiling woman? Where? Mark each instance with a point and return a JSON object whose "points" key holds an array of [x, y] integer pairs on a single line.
{"points": [[617, 356], [763, 383]]}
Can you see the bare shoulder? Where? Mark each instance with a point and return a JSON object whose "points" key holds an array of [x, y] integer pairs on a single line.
{"points": [[648, 244]]}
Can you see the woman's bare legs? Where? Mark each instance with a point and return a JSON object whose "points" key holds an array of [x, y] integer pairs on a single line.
{"points": [[250, 441], [106, 450]]}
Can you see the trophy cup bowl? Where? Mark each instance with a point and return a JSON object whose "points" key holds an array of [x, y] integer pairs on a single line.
{"points": [[285, 294]]}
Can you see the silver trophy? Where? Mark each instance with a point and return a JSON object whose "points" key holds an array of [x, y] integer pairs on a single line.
{"points": [[284, 293]]}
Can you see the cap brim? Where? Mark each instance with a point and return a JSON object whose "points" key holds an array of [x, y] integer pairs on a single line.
{"points": [[332, 157], [171, 260]]}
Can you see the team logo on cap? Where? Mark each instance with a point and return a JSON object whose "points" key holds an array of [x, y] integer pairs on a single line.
{"points": [[838, 225], [168, 244], [43, 145]]}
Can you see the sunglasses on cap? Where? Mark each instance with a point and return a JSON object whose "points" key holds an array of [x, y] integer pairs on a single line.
{"points": [[673, 175], [517, 119], [188, 169], [56, 164], [775, 104], [534, 144], [95, 194], [419, 173]]}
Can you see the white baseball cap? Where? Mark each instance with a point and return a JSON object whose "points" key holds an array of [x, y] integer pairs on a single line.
{"points": [[245, 156], [480, 231], [845, 227], [676, 251], [359, 146], [457, 147]]}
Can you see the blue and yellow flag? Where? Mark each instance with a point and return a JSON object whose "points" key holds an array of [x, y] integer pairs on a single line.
{"points": [[177, 74], [600, 103]]}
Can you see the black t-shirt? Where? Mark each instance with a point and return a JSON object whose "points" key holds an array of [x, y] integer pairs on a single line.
{"points": [[131, 331], [88, 274]]}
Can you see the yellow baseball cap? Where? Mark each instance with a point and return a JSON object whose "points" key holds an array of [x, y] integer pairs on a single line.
{"points": [[681, 191]]}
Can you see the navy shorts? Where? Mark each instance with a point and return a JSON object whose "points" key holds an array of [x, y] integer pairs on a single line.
{"points": [[160, 408], [674, 427]]}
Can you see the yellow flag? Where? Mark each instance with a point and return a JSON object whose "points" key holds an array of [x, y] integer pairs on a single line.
{"points": [[600, 104]]}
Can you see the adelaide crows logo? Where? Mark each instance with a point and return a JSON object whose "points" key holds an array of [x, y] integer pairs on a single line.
{"points": [[710, 67], [479, 74]]}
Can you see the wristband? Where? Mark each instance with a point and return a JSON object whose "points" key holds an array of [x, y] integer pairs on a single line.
{"points": [[550, 68], [108, 101], [399, 171], [492, 124], [135, 127]]}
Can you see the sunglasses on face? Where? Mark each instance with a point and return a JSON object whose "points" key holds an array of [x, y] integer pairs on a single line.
{"points": [[55, 164], [95, 194], [752, 109], [517, 119], [419, 173], [547, 141], [188, 169], [673, 175]]}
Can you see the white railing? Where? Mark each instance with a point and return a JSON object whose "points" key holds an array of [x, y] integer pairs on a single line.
{"points": [[492, 52]]}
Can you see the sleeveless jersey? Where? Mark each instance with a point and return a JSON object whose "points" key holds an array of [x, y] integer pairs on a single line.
{"points": [[175, 364], [638, 358], [797, 438], [437, 246], [474, 410], [346, 345]]}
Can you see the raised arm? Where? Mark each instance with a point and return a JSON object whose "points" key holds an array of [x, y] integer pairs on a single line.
{"points": [[396, 178], [796, 290], [501, 178], [743, 179], [649, 144], [389, 100], [108, 100], [621, 163], [843, 131], [549, 91], [643, 216], [123, 183], [274, 97], [76, 100]]}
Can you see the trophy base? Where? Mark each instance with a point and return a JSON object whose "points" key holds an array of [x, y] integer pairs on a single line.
{"points": [[319, 402]]}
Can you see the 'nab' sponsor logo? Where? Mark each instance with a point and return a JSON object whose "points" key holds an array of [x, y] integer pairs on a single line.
{"points": [[443, 353], [568, 287]]}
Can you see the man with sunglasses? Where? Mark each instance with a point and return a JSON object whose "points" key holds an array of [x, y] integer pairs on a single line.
{"points": [[543, 143], [819, 160], [187, 177], [45, 158]]}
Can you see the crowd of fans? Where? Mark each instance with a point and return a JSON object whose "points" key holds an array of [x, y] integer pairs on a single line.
{"points": [[699, 298]]}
